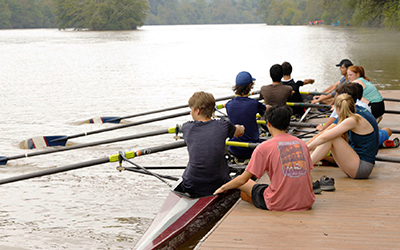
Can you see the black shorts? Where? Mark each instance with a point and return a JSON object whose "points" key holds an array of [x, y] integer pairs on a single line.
{"points": [[377, 108], [257, 195]]}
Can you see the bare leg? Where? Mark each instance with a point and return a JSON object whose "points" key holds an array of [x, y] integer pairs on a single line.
{"points": [[246, 191], [344, 155]]}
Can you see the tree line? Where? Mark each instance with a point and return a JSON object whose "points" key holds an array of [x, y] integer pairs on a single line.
{"points": [[130, 14]]}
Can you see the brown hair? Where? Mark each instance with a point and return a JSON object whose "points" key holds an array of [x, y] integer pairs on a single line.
{"points": [[243, 89], [359, 70], [203, 101], [348, 88]]}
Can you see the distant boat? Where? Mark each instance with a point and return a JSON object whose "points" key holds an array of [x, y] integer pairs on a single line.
{"points": [[317, 22]]}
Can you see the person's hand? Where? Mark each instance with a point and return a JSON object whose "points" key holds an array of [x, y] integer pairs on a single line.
{"points": [[239, 130], [220, 191], [320, 127], [315, 101], [309, 81]]}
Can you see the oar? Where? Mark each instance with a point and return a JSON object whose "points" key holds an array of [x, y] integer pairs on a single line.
{"points": [[4, 159], [391, 100], [61, 140], [147, 173], [312, 93], [387, 159], [294, 124], [308, 105], [392, 112], [112, 158], [118, 119]]}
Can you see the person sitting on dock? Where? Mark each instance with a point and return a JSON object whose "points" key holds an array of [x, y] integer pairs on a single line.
{"points": [[275, 93], [243, 110], [288, 80], [355, 90], [286, 160], [205, 138], [371, 95], [355, 126], [329, 98]]}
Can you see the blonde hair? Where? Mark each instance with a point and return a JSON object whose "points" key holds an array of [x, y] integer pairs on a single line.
{"points": [[347, 108], [203, 101]]}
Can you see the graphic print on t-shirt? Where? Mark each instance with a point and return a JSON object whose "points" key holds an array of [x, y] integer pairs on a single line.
{"points": [[293, 160]]}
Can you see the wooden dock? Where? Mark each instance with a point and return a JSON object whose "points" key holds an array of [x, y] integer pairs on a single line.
{"points": [[359, 214]]}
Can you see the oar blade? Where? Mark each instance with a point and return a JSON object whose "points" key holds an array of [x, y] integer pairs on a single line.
{"points": [[106, 119], [44, 141], [3, 160]]}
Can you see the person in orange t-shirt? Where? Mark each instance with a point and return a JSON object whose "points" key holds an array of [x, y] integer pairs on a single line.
{"points": [[287, 161]]}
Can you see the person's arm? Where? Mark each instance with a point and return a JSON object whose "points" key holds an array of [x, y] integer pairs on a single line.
{"points": [[235, 183], [321, 98], [323, 131], [332, 87], [239, 131], [330, 134]]}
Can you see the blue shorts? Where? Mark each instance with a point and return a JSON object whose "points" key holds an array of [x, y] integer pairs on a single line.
{"points": [[383, 136]]}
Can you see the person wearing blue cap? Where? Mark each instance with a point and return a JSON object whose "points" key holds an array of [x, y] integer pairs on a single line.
{"points": [[275, 93], [243, 110]]}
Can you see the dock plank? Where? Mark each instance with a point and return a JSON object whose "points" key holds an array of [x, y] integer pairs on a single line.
{"points": [[359, 214]]}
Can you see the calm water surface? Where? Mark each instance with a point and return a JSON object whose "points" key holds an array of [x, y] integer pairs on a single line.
{"points": [[52, 81]]}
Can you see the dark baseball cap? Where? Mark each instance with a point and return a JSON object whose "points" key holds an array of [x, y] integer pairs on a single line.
{"points": [[344, 61]]}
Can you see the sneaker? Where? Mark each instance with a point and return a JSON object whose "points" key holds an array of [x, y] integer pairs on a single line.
{"points": [[327, 184], [316, 187], [391, 143]]}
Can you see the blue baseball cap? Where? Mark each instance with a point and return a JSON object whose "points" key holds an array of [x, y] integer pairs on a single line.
{"points": [[244, 78]]}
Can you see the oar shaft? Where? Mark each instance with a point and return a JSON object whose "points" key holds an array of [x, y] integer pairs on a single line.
{"points": [[308, 105], [91, 144], [392, 112], [54, 170], [129, 124], [180, 106], [112, 158], [312, 93], [387, 158], [146, 173], [391, 100]]}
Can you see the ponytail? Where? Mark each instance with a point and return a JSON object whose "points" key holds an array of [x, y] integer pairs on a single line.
{"points": [[347, 108]]}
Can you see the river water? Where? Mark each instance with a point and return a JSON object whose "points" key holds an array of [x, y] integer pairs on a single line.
{"points": [[52, 81]]}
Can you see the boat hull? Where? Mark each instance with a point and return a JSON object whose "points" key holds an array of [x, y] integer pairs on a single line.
{"points": [[181, 217]]}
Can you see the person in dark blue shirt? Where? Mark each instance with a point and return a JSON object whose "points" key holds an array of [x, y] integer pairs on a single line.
{"points": [[243, 110]]}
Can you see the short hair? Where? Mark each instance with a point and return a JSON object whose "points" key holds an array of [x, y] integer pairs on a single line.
{"points": [[360, 91], [347, 63], [203, 101], [279, 116], [348, 88], [243, 89], [287, 68], [276, 72]]}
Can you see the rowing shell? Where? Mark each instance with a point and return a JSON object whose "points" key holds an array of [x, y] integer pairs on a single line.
{"points": [[182, 217]]}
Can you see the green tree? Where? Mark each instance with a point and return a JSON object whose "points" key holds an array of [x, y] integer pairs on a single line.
{"points": [[101, 14], [377, 12], [5, 15]]}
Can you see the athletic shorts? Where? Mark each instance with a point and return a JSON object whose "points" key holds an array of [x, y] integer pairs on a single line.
{"points": [[377, 108], [257, 195], [364, 170], [383, 136]]}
